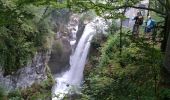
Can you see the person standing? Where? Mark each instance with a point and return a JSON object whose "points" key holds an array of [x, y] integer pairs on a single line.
{"points": [[138, 21], [150, 24]]}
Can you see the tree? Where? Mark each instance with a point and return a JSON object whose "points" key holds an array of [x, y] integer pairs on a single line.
{"points": [[114, 8], [166, 5], [23, 31]]}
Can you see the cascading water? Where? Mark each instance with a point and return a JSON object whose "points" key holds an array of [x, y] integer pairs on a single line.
{"points": [[72, 79]]}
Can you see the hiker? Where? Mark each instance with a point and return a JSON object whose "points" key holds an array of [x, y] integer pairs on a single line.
{"points": [[138, 21], [150, 24]]}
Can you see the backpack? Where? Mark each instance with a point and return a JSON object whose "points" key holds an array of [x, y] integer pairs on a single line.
{"points": [[153, 23], [140, 20]]}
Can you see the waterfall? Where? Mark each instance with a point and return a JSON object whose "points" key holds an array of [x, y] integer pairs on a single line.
{"points": [[71, 80]]}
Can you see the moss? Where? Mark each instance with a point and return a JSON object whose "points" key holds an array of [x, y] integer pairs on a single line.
{"points": [[38, 91], [3, 95], [15, 95], [57, 47], [49, 75]]}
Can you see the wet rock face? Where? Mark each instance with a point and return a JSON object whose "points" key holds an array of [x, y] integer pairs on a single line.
{"points": [[60, 19], [61, 49], [81, 28], [66, 29], [35, 72], [59, 59]]}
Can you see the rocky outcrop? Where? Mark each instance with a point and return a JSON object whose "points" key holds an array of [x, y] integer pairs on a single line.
{"points": [[59, 59], [35, 72], [81, 28], [63, 44], [61, 49]]}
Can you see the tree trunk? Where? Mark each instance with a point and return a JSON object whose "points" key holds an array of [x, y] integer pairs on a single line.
{"points": [[165, 36], [165, 71], [167, 52]]}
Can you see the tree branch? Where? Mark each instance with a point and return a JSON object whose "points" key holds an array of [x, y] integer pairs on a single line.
{"points": [[151, 9], [129, 6]]}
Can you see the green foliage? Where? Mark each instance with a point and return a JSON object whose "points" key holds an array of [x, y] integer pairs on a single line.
{"points": [[106, 8], [37, 91], [22, 33], [137, 79], [87, 16], [15, 95], [164, 93], [40, 91], [2, 93]]}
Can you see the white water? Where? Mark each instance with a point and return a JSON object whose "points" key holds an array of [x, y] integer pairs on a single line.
{"points": [[72, 79]]}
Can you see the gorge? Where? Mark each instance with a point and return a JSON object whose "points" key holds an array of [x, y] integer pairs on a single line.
{"points": [[84, 50], [72, 79]]}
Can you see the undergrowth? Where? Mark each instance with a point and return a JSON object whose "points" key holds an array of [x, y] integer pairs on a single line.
{"points": [[137, 79]]}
